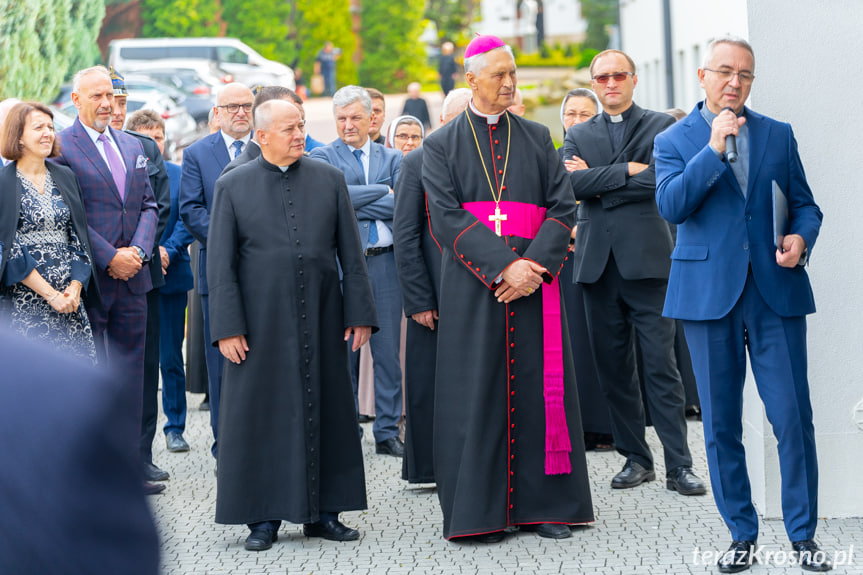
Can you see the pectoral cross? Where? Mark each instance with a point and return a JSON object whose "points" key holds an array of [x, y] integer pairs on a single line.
{"points": [[497, 218]]}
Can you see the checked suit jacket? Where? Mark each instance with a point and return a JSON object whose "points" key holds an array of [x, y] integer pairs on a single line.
{"points": [[371, 201], [113, 222]]}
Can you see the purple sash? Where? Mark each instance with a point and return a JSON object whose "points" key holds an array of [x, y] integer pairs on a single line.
{"points": [[524, 220]]}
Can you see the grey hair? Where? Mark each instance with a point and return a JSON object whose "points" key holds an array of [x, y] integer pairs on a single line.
{"points": [[350, 94], [76, 79], [727, 39], [579, 93], [476, 63], [457, 98]]}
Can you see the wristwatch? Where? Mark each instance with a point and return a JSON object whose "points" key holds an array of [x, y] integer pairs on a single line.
{"points": [[141, 253]]}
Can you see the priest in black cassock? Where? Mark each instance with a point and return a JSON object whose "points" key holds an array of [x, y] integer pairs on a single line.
{"points": [[418, 262], [289, 448], [508, 449]]}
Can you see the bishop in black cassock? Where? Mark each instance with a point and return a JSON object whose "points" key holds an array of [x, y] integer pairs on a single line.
{"points": [[508, 438], [290, 446]]}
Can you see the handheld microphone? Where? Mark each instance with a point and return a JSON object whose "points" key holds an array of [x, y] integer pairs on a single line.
{"points": [[730, 142]]}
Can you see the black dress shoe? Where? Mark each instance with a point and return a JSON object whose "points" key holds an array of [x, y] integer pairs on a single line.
{"points": [[175, 443], [633, 474], [333, 530], [685, 482], [549, 530], [153, 473], [739, 557], [153, 488], [493, 537], [811, 557], [205, 405], [392, 446], [261, 539]]}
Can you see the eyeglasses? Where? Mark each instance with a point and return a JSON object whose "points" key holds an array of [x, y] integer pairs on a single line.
{"points": [[234, 108], [403, 137], [618, 77], [726, 75]]}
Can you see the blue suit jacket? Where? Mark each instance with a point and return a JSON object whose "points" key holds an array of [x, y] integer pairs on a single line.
{"points": [[56, 483], [720, 231], [370, 201], [176, 240], [113, 223], [203, 163]]}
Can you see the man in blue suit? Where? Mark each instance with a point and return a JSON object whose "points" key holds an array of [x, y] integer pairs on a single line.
{"points": [[122, 217], [203, 163], [371, 171], [173, 293], [735, 287]]}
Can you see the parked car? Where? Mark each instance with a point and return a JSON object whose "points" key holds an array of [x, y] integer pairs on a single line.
{"points": [[230, 54], [62, 120], [181, 130], [198, 106], [198, 77]]}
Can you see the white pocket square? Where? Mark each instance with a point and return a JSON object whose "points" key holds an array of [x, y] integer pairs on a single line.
{"points": [[141, 162]]}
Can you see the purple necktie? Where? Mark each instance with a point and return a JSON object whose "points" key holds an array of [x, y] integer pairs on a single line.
{"points": [[116, 166]]}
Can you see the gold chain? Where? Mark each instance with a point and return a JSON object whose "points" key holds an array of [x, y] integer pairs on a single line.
{"points": [[497, 197]]}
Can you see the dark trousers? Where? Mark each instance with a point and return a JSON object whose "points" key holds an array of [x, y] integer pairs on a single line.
{"points": [[172, 323], [214, 373], [274, 524], [777, 353], [614, 306], [119, 331], [384, 346], [595, 417], [150, 405]]}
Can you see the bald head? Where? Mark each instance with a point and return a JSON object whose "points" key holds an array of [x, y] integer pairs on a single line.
{"points": [[280, 132], [234, 110], [454, 104]]}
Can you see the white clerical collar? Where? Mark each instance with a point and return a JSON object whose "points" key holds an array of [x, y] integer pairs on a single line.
{"points": [[615, 119], [490, 118]]}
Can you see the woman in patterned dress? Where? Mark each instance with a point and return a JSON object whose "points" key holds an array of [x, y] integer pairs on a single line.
{"points": [[45, 266]]}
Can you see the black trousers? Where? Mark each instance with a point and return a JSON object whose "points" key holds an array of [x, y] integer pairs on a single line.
{"points": [[614, 306], [151, 377]]}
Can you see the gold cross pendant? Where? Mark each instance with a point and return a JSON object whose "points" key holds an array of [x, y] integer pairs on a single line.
{"points": [[497, 218]]}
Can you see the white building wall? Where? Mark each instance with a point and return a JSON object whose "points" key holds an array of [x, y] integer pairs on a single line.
{"points": [[562, 18], [693, 24], [793, 45]]}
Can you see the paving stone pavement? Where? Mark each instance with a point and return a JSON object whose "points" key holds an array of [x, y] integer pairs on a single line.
{"points": [[646, 530]]}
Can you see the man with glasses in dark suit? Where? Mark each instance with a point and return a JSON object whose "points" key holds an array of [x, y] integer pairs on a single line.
{"points": [[203, 163], [621, 258]]}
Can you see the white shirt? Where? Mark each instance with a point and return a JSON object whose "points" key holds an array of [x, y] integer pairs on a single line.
{"points": [[385, 236], [229, 143], [94, 135]]}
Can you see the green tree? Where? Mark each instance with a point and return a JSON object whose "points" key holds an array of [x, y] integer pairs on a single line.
{"points": [[181, 18], [453, 18], [392, 55], [43, 41], [318, 22], [600, 14], [293, 31]]}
